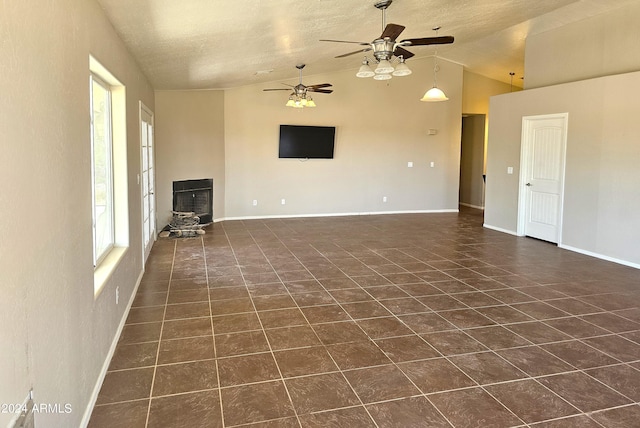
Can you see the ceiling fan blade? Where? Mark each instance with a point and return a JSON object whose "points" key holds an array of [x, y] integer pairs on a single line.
{"points": [[403, 53], [441, 40], [320, 85], [322, 91], [346, 41], [279, 89], [392, 31], [353, 53]]}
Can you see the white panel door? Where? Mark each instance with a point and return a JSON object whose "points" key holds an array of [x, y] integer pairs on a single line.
{"points": [[147, 181], [542, 175]]}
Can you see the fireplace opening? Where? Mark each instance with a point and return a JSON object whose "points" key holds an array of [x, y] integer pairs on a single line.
{"points": [[194, 196]]}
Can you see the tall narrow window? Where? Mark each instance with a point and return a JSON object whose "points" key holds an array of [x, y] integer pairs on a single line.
{"points": [[109, 184], [102, 169]]}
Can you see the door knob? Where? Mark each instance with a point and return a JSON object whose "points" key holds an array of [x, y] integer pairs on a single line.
{"points": [[528, 184]]}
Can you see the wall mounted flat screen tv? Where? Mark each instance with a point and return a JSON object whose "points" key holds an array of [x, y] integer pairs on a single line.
{"points": [[306, 142]]}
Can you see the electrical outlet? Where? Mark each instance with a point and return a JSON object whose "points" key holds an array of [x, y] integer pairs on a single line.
{"points": [[282, 201], [433, 164], [117, 295], [255, 202], [509, 170], [409, 164], [384, 199]]}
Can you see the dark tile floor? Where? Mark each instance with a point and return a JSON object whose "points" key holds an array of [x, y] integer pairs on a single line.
{"points": [[413, 320]]}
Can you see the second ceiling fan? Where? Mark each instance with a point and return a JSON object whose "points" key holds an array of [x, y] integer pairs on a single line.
{"points": [[386, 47], [300, 94]]}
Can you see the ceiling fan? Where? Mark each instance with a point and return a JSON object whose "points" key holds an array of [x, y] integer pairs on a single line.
{"points": [[300, 96], [386, 47]]}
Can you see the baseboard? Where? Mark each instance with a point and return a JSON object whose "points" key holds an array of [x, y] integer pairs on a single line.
{"points": [[261, 217], [600, 256], [103, 372], [575, 249], [478, 207], [499, 229]]}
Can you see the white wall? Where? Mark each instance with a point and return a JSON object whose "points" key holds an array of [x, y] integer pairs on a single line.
{"points": [[55, 335], [602, 196]]}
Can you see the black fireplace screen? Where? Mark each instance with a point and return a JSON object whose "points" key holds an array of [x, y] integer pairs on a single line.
{"points": [[194, 196]]}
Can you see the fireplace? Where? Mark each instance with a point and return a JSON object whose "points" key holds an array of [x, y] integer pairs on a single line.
{"points": [[194, 196]]}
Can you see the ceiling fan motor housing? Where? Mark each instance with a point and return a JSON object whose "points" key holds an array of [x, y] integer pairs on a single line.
{"points": [[300, 90], [383, 49]]}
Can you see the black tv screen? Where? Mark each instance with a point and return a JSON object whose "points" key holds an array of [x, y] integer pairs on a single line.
{"points": [[306, 142]]}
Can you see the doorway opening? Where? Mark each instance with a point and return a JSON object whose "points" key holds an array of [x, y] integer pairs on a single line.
{"points": [[472, 163], [148, 180]]}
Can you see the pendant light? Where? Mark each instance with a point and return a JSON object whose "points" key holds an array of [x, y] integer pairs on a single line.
{"points": [[435, 94]]}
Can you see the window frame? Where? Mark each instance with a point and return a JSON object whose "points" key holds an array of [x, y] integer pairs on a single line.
{"points": [[106, 266], [100, 254]]}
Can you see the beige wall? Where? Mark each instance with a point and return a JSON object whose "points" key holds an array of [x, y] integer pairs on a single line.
{"points": [[380, 128], [601, 190], [55, 335], [189, 145], [602, 45], [477, 90]]}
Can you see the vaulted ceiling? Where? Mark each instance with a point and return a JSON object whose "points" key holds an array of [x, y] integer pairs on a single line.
{"points": [[217, 44]]}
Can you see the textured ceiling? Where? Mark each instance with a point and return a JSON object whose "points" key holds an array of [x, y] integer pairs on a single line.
{"points": [[216, 44]]}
